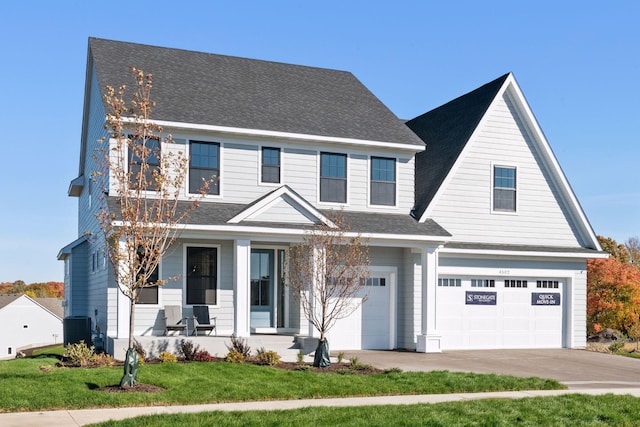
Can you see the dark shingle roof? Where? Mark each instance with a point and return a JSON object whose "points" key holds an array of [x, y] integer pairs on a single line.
{"points": [[203, 88], [209, 213], [446, 130]]}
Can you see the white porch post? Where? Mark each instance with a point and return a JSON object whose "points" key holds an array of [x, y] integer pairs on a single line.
{"points": [[429, 340], [123, 303], [318, 263], [241, 295]]}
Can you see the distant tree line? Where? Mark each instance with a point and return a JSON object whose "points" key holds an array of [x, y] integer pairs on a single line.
{"points": [[34, 290], [613, 288]]}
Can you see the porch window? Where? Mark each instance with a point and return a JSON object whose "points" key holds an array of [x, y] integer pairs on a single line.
{"points": [[202, 276], [204, 165], [333, 177], [138, 153], [270, 165], [383, 181]]}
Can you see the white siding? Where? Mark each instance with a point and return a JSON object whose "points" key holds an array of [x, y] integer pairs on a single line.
{"points": [[410, 300], [25, 324], [283, 211], [464, 208]]}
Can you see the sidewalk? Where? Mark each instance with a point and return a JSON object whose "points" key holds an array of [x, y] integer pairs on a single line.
{"points": [[80, 417]]}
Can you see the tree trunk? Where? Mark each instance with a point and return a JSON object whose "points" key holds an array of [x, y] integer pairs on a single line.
{"points": [[131, 362], [321, 358]]}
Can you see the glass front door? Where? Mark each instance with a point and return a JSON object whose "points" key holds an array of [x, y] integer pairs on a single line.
{"points": [[262, 288]]}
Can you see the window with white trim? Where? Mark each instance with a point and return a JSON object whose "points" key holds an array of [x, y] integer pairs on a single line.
{"points": [[483, 283], [144, 158], [504, 189], [333, 177], [510, 283], [204, 166], [449, 282], [383, 181], [270, 165], [547, 284]]}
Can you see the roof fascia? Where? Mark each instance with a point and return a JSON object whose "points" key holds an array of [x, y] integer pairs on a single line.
{"points": [[552, 161], [85, 110], [286, 135], [514, 253], [463, 153], [273, 198], [66, 251]]}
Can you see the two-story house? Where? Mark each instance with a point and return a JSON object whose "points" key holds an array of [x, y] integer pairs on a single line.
{"points": [[476, 239]]}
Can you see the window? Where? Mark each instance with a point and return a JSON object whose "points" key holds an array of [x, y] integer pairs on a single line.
{"points": [[151, 151], [148, 294], [515, 283], [270, 165], [504, 189], [452, 283], [204, 166], [202, 276], [547, 284], [333, 177], [383, 181], [376, 281], [483, 283]]}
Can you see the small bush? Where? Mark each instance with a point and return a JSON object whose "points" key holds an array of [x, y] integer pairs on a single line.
{"points": [[202, 356], [234, 356], [142, 354], [304, 368], [79, 354], [239, 345], [103, 359], [345, 371], [393, 371], [357, 365], [188, 350], [340, 357], [166, 357], [616, 346], [270, 357], [300, 356]]}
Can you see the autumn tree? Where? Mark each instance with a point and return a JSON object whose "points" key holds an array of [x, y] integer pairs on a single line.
{"points": [[615, 249], [328, 272], [613, 295], [139, 167]]}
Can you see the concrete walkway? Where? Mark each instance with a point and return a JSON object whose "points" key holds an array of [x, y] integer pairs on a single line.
{"points": [[81, 417]]}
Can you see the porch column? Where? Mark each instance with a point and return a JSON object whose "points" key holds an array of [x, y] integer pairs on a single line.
{"points": [[318, 263], [241, 286], [123, 304], [429, 340]]}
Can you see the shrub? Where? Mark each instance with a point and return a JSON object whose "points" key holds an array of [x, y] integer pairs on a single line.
{"points": [[270, 357], [142, 354], [616, 346], [188, 350], [300, 356], [166, 357], [202, 356], [304, 368], [357, 365], [239, 345], [340, 357], [393, 371], [79, 354], [234, 356], [103, 359]]}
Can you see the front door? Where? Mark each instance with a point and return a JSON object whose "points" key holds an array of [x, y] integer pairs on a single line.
{"points": [[262, 288]]}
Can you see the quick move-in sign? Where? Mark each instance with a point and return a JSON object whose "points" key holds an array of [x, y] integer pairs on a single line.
{"points": [[538, 298], [480, 298]]}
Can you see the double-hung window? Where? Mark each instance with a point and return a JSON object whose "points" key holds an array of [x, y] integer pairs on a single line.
{"points": [[333, 177], [204, 166], [149, 293], [383, 181], [202, 275], [270, 165], [504, 189], [144, 161]]}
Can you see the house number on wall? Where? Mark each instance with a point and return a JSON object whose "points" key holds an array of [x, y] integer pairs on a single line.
{"points": [[504, 272]]}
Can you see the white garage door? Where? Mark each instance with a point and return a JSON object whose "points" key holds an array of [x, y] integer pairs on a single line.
{"points": [[488, 313], [371, 326]]}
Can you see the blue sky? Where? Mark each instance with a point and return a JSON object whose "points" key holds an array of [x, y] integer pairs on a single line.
{"points": [[578, 64]]}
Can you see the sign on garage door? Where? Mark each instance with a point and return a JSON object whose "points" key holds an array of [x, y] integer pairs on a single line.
{"points": [[484, 313]]}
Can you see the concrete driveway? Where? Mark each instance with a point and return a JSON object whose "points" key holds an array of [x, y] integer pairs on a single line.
{"points": [[575, 368]]}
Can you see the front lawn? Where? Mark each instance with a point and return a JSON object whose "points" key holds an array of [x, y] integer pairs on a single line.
{"points": [[568, 410], [33, 384]]}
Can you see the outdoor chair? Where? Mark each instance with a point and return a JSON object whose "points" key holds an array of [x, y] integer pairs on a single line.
{"points": [[201, 320], [173, 320]]}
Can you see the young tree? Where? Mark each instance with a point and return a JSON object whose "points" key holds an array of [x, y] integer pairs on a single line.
{"points": [[327, 274], [146, 176]]}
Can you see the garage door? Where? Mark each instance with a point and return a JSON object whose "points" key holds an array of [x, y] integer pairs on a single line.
{"points": [[371, 326], [488, 313]]}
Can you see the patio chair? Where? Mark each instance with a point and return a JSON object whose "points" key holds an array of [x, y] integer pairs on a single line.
{"points": [[173, 320], [201, 320]]}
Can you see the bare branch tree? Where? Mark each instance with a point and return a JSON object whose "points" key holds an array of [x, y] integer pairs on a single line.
{"points": [[633, 248], [328, 273], [140, 167]]}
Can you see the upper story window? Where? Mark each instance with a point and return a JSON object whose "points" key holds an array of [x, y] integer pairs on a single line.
{"points": [[144, 154], [504, 189], [204, 166], [271, 165], [333, 177], [383, 181]]}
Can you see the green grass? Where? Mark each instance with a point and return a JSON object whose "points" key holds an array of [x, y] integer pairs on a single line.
{"points": [[568, 410], [32, 384], [52, 351]]}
